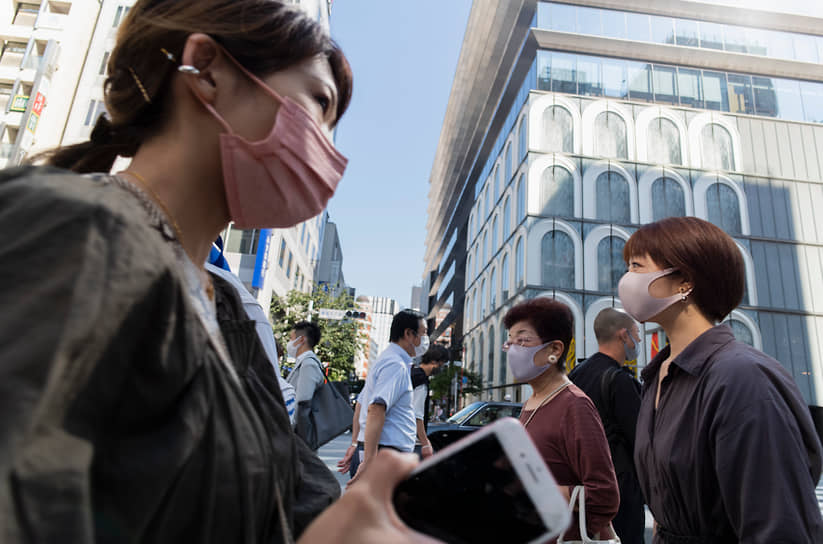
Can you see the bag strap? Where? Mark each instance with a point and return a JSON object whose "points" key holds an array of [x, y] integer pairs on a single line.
{"points": [[578, 497], [322, 370]]}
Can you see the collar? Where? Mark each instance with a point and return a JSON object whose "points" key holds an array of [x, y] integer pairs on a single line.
{"points": [[693, 359], [401, 352], [600, 356], [305, 354]]}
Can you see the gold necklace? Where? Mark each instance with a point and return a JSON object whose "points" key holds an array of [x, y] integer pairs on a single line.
{"points": [[546, 399], [177, 230]]}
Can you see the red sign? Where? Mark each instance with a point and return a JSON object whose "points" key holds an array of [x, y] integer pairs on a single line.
{"points": [[39, 102]]}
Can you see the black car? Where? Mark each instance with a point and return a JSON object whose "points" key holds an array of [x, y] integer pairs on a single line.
{"points": [[468, 420]]}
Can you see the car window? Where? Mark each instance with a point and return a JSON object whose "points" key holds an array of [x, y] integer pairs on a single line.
{"points": [[463, 414], [485, 416]]}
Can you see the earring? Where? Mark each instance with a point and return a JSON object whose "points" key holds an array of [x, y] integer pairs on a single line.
{"points": [[552, 358], [188, 69], [683, 295]]}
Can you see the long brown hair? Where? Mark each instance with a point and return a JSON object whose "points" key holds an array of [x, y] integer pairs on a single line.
{"points": [[263, 35]]}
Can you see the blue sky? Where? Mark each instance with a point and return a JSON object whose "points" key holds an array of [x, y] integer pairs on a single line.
{"points": [[403, 55]]}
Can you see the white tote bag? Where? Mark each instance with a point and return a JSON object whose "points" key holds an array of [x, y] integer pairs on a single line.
{"points": [[579, 497]]}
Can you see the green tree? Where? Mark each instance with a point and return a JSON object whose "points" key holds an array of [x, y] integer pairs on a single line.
{"points": [[441, 383], [338, 338]]}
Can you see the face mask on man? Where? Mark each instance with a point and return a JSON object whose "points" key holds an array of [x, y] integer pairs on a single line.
{"points": [[423, 347], [631, 351], [287, 177], [292, 346]]}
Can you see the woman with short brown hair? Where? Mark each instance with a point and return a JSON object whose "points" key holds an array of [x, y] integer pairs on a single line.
{"points": [[560, 418], [725, 447]]}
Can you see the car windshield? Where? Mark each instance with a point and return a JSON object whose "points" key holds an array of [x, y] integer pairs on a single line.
{"points": [[463, 414]]}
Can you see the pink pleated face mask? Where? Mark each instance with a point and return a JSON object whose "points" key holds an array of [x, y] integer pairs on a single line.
{"points": [[284, 179]]}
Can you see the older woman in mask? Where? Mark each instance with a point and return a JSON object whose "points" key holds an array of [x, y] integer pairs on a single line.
{"points": [[559, 417]]}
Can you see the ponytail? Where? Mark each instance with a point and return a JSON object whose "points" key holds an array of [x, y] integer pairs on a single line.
{"points": [[99, 153]]}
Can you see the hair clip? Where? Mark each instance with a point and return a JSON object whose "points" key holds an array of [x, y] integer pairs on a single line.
{"points": [[140, 86]]}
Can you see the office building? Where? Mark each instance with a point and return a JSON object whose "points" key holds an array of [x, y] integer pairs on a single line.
{"points": [[570, 124]]}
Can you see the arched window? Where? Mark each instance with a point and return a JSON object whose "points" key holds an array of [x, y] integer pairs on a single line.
{"points": [[668, 199], [610, 264], [488, 201], [557, 255], [521, 198], [723, 207], [522, 139], [663, 142], [557, 192], [476, 298], [485, 248], [508, 162], [471, 228], [613, 198], [469, 267], [482, 299], [472, 356], [518, 263], [741, 331], [558, 131], [490, 375], [494, 235], [610, 139], [477, 260], [716, 143], [496, 183], [504, 337], [507, 219], [493, 290], [504, 279], [480, 354]]}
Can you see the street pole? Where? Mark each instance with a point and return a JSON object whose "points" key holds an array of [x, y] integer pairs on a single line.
{"points": [[311, 307]]}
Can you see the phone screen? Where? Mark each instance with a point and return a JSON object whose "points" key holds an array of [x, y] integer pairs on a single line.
{"points": [[473, 495]]}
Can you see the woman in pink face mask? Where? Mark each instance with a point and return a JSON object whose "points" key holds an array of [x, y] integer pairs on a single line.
{"points": [[725, 447], [137, 400]]}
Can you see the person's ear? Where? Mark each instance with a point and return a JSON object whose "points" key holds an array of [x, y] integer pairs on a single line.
{"points": [[203, 53], [556, 348]]}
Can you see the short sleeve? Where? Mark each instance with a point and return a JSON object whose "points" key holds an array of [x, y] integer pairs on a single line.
{"points": [[391, 382], [419, 401]]}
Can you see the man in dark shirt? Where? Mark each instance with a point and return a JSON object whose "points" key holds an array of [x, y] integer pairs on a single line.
{"points": [[616, 394]]}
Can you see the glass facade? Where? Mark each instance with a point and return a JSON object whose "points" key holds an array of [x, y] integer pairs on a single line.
{"points": [[677, 31], [613, 198], [610, 264], [677, 85], [557, 255], [557, 192]]}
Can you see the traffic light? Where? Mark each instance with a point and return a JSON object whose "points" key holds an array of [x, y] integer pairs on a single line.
{"points": [[354, 314]]}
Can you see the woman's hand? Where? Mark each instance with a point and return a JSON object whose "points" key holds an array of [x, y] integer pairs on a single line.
{"points": [[365, 514]]}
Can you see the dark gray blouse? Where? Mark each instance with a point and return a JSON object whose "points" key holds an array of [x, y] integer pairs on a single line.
{"points": [[731, 454], [119, 420]]}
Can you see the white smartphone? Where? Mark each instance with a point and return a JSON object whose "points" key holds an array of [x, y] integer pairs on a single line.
{"points": [[491, 486]]}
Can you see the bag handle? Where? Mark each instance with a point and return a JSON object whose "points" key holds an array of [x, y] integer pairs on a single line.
{"points": [[579, 496]]}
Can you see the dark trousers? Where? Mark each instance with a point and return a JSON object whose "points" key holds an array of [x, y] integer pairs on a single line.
{"points": [[630, 521], [355, 460]]}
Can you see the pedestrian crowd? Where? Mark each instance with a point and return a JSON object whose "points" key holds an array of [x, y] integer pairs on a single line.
{"points": [[141, 393]]}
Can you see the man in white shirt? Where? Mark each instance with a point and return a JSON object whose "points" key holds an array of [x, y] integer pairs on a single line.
{"points": [[307, 374], [387, 416], [430, 364]]}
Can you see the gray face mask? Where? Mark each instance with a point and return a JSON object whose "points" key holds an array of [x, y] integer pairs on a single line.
{"points": [[631, 352]]}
